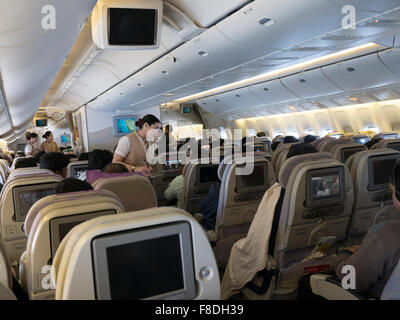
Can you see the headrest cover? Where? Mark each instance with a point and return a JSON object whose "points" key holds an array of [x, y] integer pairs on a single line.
{"points": [[93, 175], [292, 162]]}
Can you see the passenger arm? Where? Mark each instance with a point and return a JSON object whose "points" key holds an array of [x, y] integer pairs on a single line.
{"points": [[119, 159]]}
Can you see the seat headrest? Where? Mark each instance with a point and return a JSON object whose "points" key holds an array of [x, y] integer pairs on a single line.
{"points": [[330, 144], [93, 175], [292, 162], [69, 197], [135, 192]]}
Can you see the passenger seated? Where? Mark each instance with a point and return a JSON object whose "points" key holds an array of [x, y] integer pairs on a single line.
{"points": [[275, 145], [175, 188], [72, 185], [38, 156], [56, 162], [372, 142], [248, 255], [115, 168], [309, 138], [97, 160], [26, 163], [209, 207], [84, 156], [290, 139], [379, 253]]}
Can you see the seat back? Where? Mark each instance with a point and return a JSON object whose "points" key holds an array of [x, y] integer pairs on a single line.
{"points": [[27, 171], [387, 144], [167, 239], [331, 144], [240, 195], [50, 220], [17, 197], [198, 178], [135, 192], [370, 171], [277, 153], [392, 287], [76, 168], [317, 202], [5, 269], [342, 152]]}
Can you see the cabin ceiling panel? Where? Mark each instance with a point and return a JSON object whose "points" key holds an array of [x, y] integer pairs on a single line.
{"points": [[199, 10], [391, 59], [26, 69]]}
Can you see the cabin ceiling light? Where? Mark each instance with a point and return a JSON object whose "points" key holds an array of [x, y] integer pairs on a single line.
{"points": [[266, 22], [286, 70]]}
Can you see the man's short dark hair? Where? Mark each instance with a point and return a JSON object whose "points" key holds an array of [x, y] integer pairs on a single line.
{"points": [[299, 149], [115, 168], [290, 139], [310, 138], [372, 142], [39, 155], [275, 145], [25, 163], [72, 185], [54, 161], [84, 156], [98, 159]]}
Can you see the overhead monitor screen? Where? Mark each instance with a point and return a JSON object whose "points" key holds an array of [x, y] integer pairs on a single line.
{"points": [[41, 122], [361, 140], [66, 138], [325, 186], [255, 180], [26, 196], [208, 174], [124, 125], [382, 169], [77, 171], [132, 27]]}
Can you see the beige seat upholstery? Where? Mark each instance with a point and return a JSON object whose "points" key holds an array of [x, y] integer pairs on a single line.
{"points": [[135, 192], [342, 152], [309, 213], [48, 221], [194, 188], [276, 155], [17, 196], [80, 257], [387, 144], [370, 171]]}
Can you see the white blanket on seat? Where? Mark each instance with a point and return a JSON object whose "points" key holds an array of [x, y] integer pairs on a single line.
{"points": [[250, 255]]}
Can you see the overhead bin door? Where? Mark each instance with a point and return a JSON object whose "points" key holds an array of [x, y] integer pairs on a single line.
{"points": [[310, 84], [273, 92], [360, 73]]}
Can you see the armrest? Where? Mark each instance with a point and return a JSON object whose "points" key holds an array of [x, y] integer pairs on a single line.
{"points": [[330, 288]]}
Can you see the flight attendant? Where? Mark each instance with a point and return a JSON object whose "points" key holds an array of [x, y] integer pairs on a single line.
{"points": [[31, 146], [49, 145], [132, 148]]}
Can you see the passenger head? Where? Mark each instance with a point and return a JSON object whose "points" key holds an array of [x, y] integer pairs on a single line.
{"points": [[56, 162], [84, 156], [114, 168], [309, 138], [261, 134], [26, 163], [372, 142], [72, 185], [149, 127], [274, 145], [48, 136], [38, 156], [299, 149], [394, 185], [290, 139], [98, 159], [32, 137]]}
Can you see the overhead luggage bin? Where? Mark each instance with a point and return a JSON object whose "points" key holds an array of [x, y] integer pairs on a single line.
{"points": [[273, 92]]}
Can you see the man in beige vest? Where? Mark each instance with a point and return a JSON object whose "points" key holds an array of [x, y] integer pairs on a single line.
{"points": [[132, 148]]}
